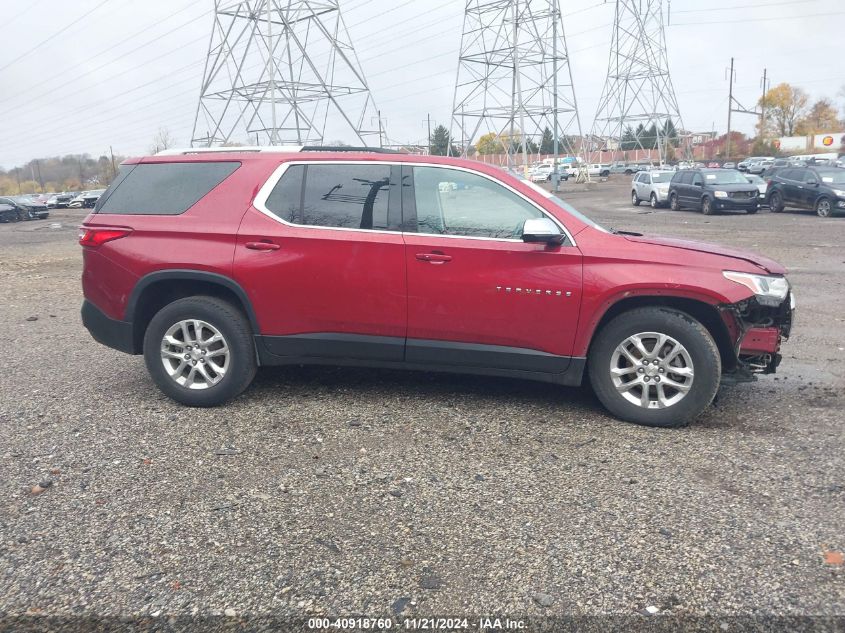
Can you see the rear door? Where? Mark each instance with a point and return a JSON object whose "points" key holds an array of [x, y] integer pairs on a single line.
{"points": [[809, 189], [477, 294], [322, 259], [793, 186]]}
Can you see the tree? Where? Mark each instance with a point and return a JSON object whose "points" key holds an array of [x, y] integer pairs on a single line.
{"points": [[489, 144], [440, 141], [547, 143], [785, 106], [821, 118], [161, 141]]}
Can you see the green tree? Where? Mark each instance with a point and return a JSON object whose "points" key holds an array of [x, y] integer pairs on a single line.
{"points": [[547, 143], [439, 142]]}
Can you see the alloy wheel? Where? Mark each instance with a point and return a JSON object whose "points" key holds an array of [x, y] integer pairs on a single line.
{"points": [[195, 354], [823, 208], [652, 370]]}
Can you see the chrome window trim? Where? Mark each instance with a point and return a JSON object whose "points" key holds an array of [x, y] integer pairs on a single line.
{"points": [[260, 200]]}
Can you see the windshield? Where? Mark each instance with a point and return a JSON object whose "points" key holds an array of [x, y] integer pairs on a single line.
{"points": [[564, 205], [754, 180], [724, 177], [661, 176], [832, 176]]}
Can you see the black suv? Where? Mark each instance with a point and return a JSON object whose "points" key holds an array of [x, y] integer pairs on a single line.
{"points": [[25, 209], [821, 189], [710, 190]]}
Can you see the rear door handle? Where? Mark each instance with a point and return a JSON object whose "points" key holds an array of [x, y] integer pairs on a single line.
{"points": [[434, 258], [262, 246]]}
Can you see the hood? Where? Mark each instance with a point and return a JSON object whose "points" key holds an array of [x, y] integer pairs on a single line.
{"points": [[765, 263]]}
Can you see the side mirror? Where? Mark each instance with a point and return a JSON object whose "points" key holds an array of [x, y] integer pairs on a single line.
{"points": [[542, 230], [813, 183]]}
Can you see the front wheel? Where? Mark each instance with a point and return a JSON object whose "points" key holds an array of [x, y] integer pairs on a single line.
{"points": [[753, 210], [776, 202], [635, 199], [653, 201], [823, 208], [199, 351], [707, 206], [673, 202], [655, 366]]}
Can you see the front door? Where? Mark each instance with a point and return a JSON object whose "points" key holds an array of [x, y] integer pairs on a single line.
{"points": [[477, 294], [322, 259]]}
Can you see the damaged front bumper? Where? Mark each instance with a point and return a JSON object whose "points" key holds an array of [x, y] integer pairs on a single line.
{"points": [[758, 331]]}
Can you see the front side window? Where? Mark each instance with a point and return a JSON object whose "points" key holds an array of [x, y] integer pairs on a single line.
{"points": [[353, 196], [454, 202]]}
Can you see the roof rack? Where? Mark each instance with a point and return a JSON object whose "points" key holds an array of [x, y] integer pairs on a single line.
{"points": [[271, 149]]}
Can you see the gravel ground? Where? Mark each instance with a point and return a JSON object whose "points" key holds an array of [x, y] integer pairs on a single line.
{"points": [[341, 491]]}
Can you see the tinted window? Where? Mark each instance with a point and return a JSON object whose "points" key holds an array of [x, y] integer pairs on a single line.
{"points": [[340, 196], [454, 202], [163, 188], [678, 178]]}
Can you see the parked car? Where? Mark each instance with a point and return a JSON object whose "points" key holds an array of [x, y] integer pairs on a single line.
{"points": [[711, 190], [729, 165], [89, 199], [27, 208], [840, 162], [821, 189], [326, 261], [77, 201], [761, 185], [713, 165], [544, 171], [8, 212], [652, 186], [621, 168], [760, 166], [596, 169], [743, 164], [60, 200]]}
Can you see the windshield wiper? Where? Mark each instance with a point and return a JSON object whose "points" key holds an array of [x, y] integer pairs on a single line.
{"points": [[618, 232]]}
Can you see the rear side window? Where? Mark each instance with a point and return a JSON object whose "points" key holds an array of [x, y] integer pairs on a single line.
{"points": [[163, 188], [353, 196]]}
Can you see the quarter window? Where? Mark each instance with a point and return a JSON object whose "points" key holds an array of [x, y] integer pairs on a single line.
{"points": [[339, 196], [454, 202]]}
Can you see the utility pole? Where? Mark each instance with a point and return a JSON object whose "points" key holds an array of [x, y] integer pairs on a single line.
{"points": [[40, 179], [763, 105], [428, 119], [730, 109], [555, 172], [113, 168]]}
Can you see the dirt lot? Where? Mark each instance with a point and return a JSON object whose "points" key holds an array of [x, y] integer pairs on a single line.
{"points": [[374, 492]]}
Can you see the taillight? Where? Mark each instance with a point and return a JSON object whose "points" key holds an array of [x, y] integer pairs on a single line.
{"points": [[95, 236]]}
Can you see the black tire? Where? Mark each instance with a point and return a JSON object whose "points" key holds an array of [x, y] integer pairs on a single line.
{"points": [[653, 201], [236, 331], [706, 362], [753, 210], [674, 204], [824, 208], [776, 202], [706, 206], [635, 200]]}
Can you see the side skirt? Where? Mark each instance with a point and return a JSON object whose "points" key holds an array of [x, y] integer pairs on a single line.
{"points": [[350, 350]]}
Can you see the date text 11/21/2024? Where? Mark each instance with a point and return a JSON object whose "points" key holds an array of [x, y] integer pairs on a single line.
{"points": [[416, 624]]}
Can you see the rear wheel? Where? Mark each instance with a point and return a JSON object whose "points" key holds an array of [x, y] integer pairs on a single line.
{"points": [[655, 366], [673, 202], [776, 202], [635, 200], [707, 206], [823, 208], [199, 351]]}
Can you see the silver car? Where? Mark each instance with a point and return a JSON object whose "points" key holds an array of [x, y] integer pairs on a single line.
{"points": [[652, 186]]}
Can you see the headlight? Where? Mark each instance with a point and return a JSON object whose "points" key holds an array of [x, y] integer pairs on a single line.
{"points": [[839, 192], [770, 291], [720, 194]]}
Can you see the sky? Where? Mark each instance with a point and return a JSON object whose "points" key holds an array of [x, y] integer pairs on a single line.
{"points": [[84, 76]]}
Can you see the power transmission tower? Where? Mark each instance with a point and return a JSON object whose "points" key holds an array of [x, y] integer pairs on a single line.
{"points": [[513, 76], [638, 108], [284, 71]]}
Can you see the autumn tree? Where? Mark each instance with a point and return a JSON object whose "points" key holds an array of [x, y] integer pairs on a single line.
{"points": [[822, 117], [785, 106], [489, 144]]}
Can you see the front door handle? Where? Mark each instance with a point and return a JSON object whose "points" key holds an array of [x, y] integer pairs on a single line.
{"points": [[262, 246], [434, 258]]}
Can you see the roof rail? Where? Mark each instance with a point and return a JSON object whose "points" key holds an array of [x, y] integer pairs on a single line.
{"points": [[348, 148], [239, 148], [270, 149]]}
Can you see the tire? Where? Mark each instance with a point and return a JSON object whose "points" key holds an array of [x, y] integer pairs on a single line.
{"points": [[673, 202], [753, 211], [706, 206], [776, 202], [653, 201], [228, 321], [635, 199], [700, 354], [824, 209]]}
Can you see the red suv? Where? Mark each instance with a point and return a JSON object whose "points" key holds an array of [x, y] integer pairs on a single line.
{"points": [[211, 263]]}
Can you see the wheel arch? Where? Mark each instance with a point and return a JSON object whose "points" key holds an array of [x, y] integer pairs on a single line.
{"points": [[705, 313], [157, 289]]}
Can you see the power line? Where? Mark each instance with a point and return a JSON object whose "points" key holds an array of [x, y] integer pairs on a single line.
{"points": [[780, 17]]}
